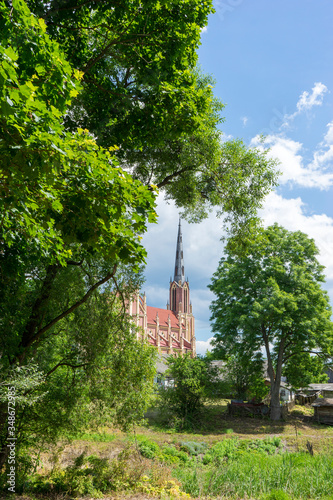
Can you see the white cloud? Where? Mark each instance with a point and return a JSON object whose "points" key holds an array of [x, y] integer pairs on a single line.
{"points": [[323, 157], [202, 248], [244, 120], [293, 167], [307, 101], [204, 29], [203, 346]]}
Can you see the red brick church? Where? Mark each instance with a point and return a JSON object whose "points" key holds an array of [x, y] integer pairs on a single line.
{"points": [[171, 330]]}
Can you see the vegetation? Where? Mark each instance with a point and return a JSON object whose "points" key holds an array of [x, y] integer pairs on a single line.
{"points": [[100, 102], [142, 91], [195, 381], [261, 459], [243, 378], [270, 297]]}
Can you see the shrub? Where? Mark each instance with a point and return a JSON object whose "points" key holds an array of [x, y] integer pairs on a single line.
{"points": [[148, 448], [221, 451], [193, 448], [171, 455]]}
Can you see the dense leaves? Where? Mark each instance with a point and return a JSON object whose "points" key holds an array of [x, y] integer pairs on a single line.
{"points": [[142, 90], [194, 381], [70, 218], [58, 188], [271, 298]]}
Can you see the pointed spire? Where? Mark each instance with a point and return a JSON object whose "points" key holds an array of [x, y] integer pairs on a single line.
{"points": [[179, 262]]}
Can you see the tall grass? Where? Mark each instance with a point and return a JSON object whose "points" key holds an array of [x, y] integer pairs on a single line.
{"points": [[254, 475]]}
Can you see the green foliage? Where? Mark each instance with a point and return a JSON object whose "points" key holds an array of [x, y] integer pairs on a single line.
{"points": [[258, 475], [304, 369], [90, 475], [195, 381], [193, 448], [226, 449], [71, 220], [171, 455], [57, 188], [267, 445], [270, 296], [141, 90], [277, 495], [148, 448], [244, 378], [231, 449]]}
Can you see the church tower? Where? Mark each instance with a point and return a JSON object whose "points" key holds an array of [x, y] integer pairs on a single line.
{"points": [[179, 287], [170, 330]]}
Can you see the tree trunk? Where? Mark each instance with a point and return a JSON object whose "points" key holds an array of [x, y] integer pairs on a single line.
{"points": [[275, 401], [276, 382]]}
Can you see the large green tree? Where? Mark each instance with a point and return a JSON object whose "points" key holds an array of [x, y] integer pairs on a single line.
{"points": [[142, 91], [100, 101], [270, 299], [70, 218]]}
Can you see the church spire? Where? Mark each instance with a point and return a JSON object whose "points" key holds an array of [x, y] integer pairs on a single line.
{"points": [[179, 262]]}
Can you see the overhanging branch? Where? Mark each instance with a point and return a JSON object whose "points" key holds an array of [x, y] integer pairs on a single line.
{"points": [[70, 309]]}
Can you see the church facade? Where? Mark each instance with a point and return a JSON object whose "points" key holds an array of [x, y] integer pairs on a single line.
{"points": [[171, 330]]}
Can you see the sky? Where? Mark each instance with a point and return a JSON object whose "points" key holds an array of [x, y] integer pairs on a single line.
{"points": [[272, 62]]}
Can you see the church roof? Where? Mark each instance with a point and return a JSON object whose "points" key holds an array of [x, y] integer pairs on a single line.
{"points": [[163, 315], [179, 262]]}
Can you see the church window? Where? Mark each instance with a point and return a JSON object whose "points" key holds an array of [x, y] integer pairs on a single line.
{"points": [[173, 306]]}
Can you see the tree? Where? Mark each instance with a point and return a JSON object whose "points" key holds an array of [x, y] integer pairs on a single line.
{"points": [[70, 219], [87, 371], [142, 90], [194, 382], [270, 298], [74, 201], [304, 369], [244, 376]]}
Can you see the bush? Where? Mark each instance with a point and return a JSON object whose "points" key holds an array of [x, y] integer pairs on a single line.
{"points": [[195, 382], [267, 445], [148, 448], [221, 451], [193, 448], [171, 455]]}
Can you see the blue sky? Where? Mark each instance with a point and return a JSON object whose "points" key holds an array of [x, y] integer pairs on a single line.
{"points": [[272, 62]]}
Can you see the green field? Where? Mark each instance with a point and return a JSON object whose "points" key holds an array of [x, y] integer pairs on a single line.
{"points": [[223, 457]]}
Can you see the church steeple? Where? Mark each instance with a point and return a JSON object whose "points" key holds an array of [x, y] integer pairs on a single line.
{"points": [[179, 287], [179, 262]]}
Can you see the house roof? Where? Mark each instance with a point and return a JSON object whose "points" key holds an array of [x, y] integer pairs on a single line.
{"points": [[320, 387], [163, 315], [323, 402]]}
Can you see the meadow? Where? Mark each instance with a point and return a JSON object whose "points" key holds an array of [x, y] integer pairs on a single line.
{"points": [[222, 458]]}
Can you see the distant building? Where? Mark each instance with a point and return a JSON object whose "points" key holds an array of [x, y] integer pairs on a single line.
{"points": [[171, 330]]}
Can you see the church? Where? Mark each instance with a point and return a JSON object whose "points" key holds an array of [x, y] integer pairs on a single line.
{"points": [[171, 330]]}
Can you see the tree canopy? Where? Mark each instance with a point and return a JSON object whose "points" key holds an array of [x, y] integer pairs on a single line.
{"points": [[70, 218], [142, 91], [270, 299], [102, 104]]}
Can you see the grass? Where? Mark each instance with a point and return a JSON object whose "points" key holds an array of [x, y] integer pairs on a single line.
{"points": [[222, 458]]}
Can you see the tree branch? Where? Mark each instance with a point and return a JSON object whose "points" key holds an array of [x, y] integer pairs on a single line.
{"points": [[168, 178], [65, 363], [67, 312]]}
